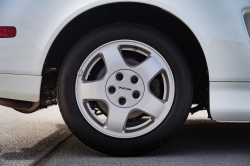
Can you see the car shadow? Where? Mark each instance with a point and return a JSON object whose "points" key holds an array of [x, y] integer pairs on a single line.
{"points": [[197, 138]]}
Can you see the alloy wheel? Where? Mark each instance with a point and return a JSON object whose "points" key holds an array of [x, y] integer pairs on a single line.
{"points": [[121, 100]]}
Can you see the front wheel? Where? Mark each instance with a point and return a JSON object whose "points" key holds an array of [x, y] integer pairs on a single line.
{"points": [[124, 89]]}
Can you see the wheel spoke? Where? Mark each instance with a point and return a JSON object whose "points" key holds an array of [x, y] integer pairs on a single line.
{"points": [[116, 119], [113, 59], [92, 90], [151, 105], [149, 69]]}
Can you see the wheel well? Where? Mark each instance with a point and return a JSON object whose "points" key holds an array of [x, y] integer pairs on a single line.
{"points": [[149, 15]]}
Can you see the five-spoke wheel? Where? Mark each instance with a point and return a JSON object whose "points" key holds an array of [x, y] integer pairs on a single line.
{"points": [[124, 89]]}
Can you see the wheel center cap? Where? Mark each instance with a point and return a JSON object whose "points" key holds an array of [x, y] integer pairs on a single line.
{"points": [[125, 88]]}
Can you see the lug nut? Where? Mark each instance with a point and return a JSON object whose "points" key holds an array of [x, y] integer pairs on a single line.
{"points": [[134, 79], [119, 76], [136, 94], [112, 90], [122, 100]]}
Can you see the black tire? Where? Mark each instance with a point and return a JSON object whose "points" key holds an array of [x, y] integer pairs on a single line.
{"points": [[132, 146]]}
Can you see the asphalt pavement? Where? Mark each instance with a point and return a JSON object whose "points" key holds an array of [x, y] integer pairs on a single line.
{"points": [[42, 138]]}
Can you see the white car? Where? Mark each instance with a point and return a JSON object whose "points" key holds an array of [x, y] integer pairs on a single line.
{"points": [[125, 73]]}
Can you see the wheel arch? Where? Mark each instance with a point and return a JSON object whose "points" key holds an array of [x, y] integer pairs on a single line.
{"points": [[157, 18]]}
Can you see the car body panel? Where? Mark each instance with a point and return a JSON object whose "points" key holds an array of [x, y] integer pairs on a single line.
{"points": [[23, 87], [217, 25], [230, 101]]}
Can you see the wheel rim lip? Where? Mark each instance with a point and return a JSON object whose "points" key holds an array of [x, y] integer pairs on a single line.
{"points": [[102, 129]]}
